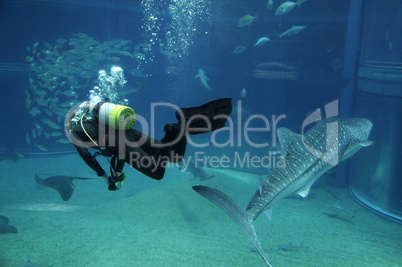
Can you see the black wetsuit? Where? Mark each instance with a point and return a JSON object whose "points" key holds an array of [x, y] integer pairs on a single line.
{"points": [[142, 152]]}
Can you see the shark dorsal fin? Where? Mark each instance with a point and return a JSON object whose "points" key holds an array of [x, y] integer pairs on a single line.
{"points": [[288, 140]]}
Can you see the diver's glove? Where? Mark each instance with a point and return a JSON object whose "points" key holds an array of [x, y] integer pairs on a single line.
{"points": [[109, 181], [116, 181]]}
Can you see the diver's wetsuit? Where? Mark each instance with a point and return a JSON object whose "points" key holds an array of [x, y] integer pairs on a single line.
{"points": [[142, 152], [131, 146]]}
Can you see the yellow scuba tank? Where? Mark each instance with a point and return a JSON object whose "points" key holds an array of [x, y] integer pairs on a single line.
{"points": [[117, 116]]}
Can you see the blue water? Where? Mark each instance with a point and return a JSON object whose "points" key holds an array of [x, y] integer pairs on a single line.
{"points": [[168, 42], [172, 80]]}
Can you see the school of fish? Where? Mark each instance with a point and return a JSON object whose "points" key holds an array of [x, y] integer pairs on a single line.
{"points": [[282, 9], [62, 73]]}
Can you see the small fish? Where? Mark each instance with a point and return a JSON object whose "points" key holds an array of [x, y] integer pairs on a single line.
{"points": [[128, 90], [270, 4], [41, 147], [287, 7], [27, 139], [246, 20], [125, 53], [20, 155], [63, 141], [61, 41], [48, 46], [51, 124], [145, 45], [112, 51], [35, 45], [139, 55], [243, 92], [29, 58], [239, 49], [123, 43], [292, 31], [55, 134], [169, 54], [262, 41], [81, 35], [137, 73]]}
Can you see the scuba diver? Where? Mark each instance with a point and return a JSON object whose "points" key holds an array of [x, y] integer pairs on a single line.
{"points": [[108, 128]]}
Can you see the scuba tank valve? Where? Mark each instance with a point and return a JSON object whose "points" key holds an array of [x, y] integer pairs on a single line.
{"points": [[117, 116]]}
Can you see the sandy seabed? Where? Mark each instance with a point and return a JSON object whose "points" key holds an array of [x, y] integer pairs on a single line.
{"points": [[166, 223]]}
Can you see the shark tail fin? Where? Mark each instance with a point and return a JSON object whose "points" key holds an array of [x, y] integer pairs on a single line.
{"points": [[239, 216]]}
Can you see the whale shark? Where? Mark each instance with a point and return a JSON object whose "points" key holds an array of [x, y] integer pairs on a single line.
{"points": [[307, 157]]}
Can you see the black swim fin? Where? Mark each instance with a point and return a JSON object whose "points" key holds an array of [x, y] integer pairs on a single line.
{"points": [[206, 118]]}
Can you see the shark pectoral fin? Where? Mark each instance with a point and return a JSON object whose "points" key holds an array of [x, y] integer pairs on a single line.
{"points": [[303, 192], [269, 214], [197, 76], [352, 151], [206, 78], [366, 143]]}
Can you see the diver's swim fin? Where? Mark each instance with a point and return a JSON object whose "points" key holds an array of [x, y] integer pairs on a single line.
{"points": [[206, 118]]}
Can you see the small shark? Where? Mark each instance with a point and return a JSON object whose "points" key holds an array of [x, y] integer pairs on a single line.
{"points": [[196, 171], [307, 157], [11, 154], [204, 79], [62, 184]]}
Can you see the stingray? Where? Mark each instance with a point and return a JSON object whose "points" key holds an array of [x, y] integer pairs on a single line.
{"points": [[5, 227], [62, 184]]}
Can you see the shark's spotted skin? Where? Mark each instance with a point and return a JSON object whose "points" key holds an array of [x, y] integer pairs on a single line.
{"points": [[307, 157]]}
